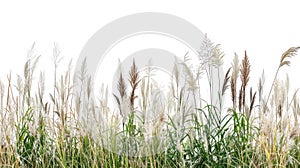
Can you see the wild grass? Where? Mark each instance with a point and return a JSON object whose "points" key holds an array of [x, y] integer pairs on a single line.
{"points": [[55, 129]]}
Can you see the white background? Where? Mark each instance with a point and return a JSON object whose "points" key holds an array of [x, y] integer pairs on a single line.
{"points": [[264, 28]]}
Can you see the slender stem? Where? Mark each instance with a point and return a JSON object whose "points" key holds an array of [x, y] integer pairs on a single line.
{"points": [[272, 87]]}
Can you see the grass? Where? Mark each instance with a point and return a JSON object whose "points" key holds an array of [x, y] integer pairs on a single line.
{"points": [[255, 130]]}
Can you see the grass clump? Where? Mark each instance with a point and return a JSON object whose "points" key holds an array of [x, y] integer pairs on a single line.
{"points": [[254, 130]]}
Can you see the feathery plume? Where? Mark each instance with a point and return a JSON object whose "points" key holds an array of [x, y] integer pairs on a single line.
{"points": [[134, 81], [245, 71], [225, 82], [252, 100], [288, 54], [234, 76]]}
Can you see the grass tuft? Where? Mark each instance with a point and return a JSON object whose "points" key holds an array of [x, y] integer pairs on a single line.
{"points": [[45, 130]]}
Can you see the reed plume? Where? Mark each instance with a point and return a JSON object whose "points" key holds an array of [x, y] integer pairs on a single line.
{"points": [[234, 76], [252, 100], [122, 93], [283, 61], [245, 71], [134, 81], [226, 81]]}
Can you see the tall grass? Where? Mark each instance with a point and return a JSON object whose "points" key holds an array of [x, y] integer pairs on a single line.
{"points": [[46, 130]]}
